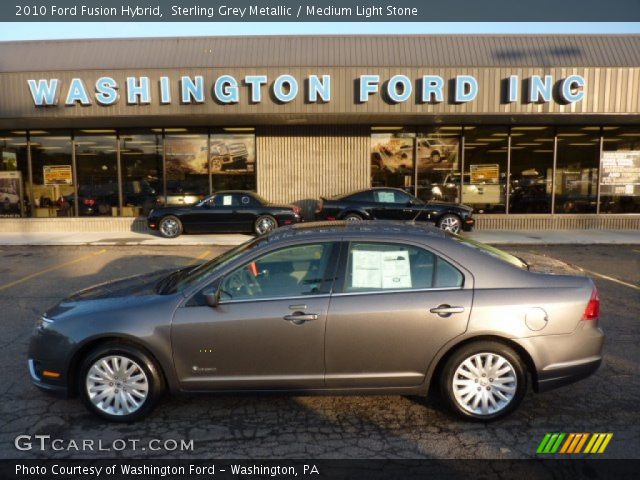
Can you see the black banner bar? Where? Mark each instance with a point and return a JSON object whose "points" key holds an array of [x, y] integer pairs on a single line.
{"points": [[577, 469], [320, 11]]}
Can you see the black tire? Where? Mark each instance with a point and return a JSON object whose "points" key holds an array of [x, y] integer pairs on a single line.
{"points": [[264, 224], [450, 222], [466, 352], [166, 227], [155, 380], [353, 218]]}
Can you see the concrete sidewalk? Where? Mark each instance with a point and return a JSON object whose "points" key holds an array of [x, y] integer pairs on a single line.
{"points": [[496, 237]]}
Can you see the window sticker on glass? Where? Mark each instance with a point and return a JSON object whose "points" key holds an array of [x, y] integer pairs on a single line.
{"points": [[227, 200], [396, 272], [386, 197], [245, 200], [377, 269]]}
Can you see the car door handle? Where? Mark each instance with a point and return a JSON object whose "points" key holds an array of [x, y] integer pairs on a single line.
{"points": [[300, 318], [445, 310]]}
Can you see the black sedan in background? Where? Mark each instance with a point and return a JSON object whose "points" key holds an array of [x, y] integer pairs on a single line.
{"points": [[229, 211], [394, 204]]}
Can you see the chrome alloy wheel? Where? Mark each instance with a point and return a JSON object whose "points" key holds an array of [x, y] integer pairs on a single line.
{"points": [[484, 384], [450, 224], [353, 218], [169, 227], [117, 385], [265, 225]]}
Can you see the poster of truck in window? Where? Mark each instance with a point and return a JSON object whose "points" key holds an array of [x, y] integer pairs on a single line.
{"points": [[232, 153], [10, 193], [437, 152], [620, 173]]}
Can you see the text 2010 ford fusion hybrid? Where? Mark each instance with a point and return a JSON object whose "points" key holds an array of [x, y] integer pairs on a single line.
{"points": [[334, 307]]}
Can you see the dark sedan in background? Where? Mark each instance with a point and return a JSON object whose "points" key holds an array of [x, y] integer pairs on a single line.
{"points": [[225, 211], [394, 204]]}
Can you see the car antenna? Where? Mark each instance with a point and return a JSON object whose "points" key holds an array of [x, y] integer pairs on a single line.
{"points": [[413, 221]]}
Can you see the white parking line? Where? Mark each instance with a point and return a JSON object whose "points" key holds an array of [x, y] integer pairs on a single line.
{"points": [[611, 279]]}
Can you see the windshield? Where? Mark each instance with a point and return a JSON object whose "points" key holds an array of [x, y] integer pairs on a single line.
{"points": [[185, 277], [493, 251]]}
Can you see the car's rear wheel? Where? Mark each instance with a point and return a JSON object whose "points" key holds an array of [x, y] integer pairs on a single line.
{"points": [[352, 218], [450, 223], [170, 227], [120, 382], [265, 224], [484, 381]]}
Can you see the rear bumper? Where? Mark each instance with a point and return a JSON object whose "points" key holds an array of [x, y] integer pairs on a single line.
{"points": [[560, 360], [560, 375]]}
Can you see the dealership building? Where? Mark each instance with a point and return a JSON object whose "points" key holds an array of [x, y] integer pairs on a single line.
{"points": [[533, 131]]}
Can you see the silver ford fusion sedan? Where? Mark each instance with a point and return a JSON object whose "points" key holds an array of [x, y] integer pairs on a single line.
{"points": [[334, 307]]}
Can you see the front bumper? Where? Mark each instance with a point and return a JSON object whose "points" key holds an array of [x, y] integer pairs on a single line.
{"points": [[468, 224], [52, 386], [152, 223]]}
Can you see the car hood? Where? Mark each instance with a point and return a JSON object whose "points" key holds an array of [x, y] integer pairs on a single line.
{"points": [[448, 205], [137, 285], [160, 211]]}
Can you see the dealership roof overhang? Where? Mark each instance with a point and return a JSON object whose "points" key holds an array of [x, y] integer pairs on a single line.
{"points": [[509, 51], [609, 64]]}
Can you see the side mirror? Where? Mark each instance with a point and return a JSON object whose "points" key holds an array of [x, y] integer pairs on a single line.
{"points": [[212, 296]]}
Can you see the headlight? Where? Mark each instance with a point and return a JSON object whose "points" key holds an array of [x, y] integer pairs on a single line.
{"points": [[43, 322]]}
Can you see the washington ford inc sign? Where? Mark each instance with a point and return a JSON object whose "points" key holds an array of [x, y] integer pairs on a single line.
{"points": [[228, 89]]}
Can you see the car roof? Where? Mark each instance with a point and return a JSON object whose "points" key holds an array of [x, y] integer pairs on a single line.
{"points": [[338, 228], [238, 192]]}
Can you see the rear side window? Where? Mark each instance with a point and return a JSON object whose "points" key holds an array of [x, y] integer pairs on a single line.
{"points": [[361, 197], [391, 266]]}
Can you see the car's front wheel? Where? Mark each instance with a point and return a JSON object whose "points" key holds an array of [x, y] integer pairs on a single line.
{"points": [[170, 227], [450, 223], [120, 382], [484, 381]]}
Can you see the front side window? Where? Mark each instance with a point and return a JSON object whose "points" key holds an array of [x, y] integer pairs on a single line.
{"points": [[289, 272], [387, 266]]}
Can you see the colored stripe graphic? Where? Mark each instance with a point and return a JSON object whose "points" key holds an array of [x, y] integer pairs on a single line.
{"points": [[553, 443]]}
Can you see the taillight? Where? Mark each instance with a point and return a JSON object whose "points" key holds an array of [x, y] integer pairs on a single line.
{"points": [[592, 312], [90, 202], [296, 210]]}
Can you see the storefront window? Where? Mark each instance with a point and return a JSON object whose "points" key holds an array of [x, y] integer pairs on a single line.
{"points": [[392, 159], [577, 170], [233, 161], [141, 164], [438, 164], [485, 173], [97, 172], [53, 179], [531, 169], [14, 175], [620, 176], [187, 166]]}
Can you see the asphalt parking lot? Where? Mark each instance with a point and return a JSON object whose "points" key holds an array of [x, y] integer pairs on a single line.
{"points": [[34, 278]]}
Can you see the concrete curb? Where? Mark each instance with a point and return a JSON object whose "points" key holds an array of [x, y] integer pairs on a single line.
{"points": [[496, 237]]}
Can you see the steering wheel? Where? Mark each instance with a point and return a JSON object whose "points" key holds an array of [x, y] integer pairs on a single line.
{"points": [[242, 283]]}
